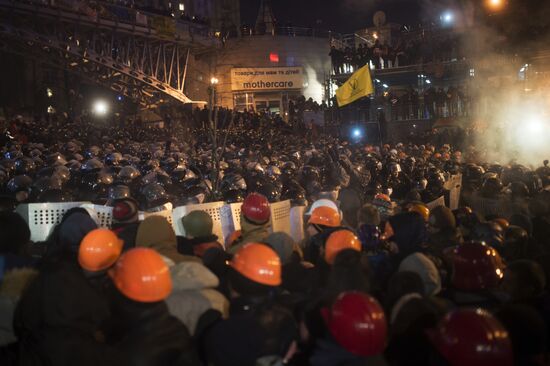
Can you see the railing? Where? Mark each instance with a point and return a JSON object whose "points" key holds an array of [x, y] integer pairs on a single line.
{"points": [[287, 31], [95, 11]]}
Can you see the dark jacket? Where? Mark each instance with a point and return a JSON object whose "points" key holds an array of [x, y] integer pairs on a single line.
{"points": [[256, 327], [197, 246], [58, 318], [328, 353], [148, 335]]}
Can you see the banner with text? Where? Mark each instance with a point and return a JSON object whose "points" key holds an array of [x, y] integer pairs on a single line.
{"points": [[267, 78]]}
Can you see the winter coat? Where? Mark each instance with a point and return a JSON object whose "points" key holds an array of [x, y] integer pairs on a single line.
{"points": [[197, 246], [149, 336], [250, 233], [328, 353], [58, 318], [409, 233], [256, 327], [194, 293], [156, 233], [13, 284]]}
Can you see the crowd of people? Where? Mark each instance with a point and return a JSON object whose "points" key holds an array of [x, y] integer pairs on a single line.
{"points": [[435, 103], [403, 52], [382, 277]]}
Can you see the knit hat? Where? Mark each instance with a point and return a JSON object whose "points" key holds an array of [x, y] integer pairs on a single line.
{"points": [[426, 269], [197, 224], [442, 217], [125, 211], [282, 244]]}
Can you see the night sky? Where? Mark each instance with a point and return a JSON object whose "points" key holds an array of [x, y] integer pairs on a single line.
{"points": [[338, 15]]}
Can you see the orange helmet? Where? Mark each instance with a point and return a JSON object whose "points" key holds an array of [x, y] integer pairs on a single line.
{"points": [[340, 240], [99, 250], [258, 263], [141, 275], [421, 209], [325, 216]]}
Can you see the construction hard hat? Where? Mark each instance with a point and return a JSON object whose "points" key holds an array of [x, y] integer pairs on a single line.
{"points": [[99, 250], [258, 263], [476, 266], [197, 224], [340, 240], [325, 216], [421, 209], [472, 337], [357, 323], [323, 202], [255, 208], [142, 275]]}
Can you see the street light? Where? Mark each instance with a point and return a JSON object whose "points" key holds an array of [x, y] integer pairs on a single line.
{"points": [[495, 4], [214, 80], [100, 107], [447, 17]]}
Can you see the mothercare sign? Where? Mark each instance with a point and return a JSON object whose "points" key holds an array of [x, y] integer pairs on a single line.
{"points": [[267, 78]]}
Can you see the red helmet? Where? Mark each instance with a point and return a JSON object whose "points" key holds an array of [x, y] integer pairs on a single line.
{"points": [[256, 208], [472, 337], [357, 323], [476, 266]]}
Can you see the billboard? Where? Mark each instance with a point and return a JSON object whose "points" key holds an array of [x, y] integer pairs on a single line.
{"points": [[267, 78]]}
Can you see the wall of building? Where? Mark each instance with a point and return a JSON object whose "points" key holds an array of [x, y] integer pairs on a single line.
{"points": [[308, 52]]}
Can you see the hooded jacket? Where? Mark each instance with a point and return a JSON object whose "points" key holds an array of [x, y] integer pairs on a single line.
{"points": [[12, 286], [194, 293], [156, 233], [149, 336], [58, 319], [250, 233], [409, 233]]}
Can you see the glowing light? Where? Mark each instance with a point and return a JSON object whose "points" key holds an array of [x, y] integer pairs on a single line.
{"points": [[182, 7], [214, 80], [274, 57], [49, 92], [375, 35], [428, 81], [385, 86], [357, 133], [495, 4], [447, 17], [51, 110], [100, 107]]}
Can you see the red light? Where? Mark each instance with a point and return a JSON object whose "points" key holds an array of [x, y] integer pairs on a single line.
{"points": [[273, 57]]}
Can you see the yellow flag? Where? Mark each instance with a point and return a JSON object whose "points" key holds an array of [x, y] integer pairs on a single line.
{"points": [[358, 85]]}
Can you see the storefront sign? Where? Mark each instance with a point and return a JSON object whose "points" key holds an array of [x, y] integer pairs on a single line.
{"points": [[267, 78]]}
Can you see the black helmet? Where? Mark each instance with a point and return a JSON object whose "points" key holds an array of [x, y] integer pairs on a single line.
{"points": [[127, 174], [270, 191], [491, 188], [119, 191], [154, 195], [519, 189], [24, 166], [113, 159], [233, 182], [297, 197], [19, 183], [92, 165], [233, 196], [180, 175]]}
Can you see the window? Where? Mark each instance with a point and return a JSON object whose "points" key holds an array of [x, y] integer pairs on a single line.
{"points": [[182, 7], [472, 73], [243, 101]]}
